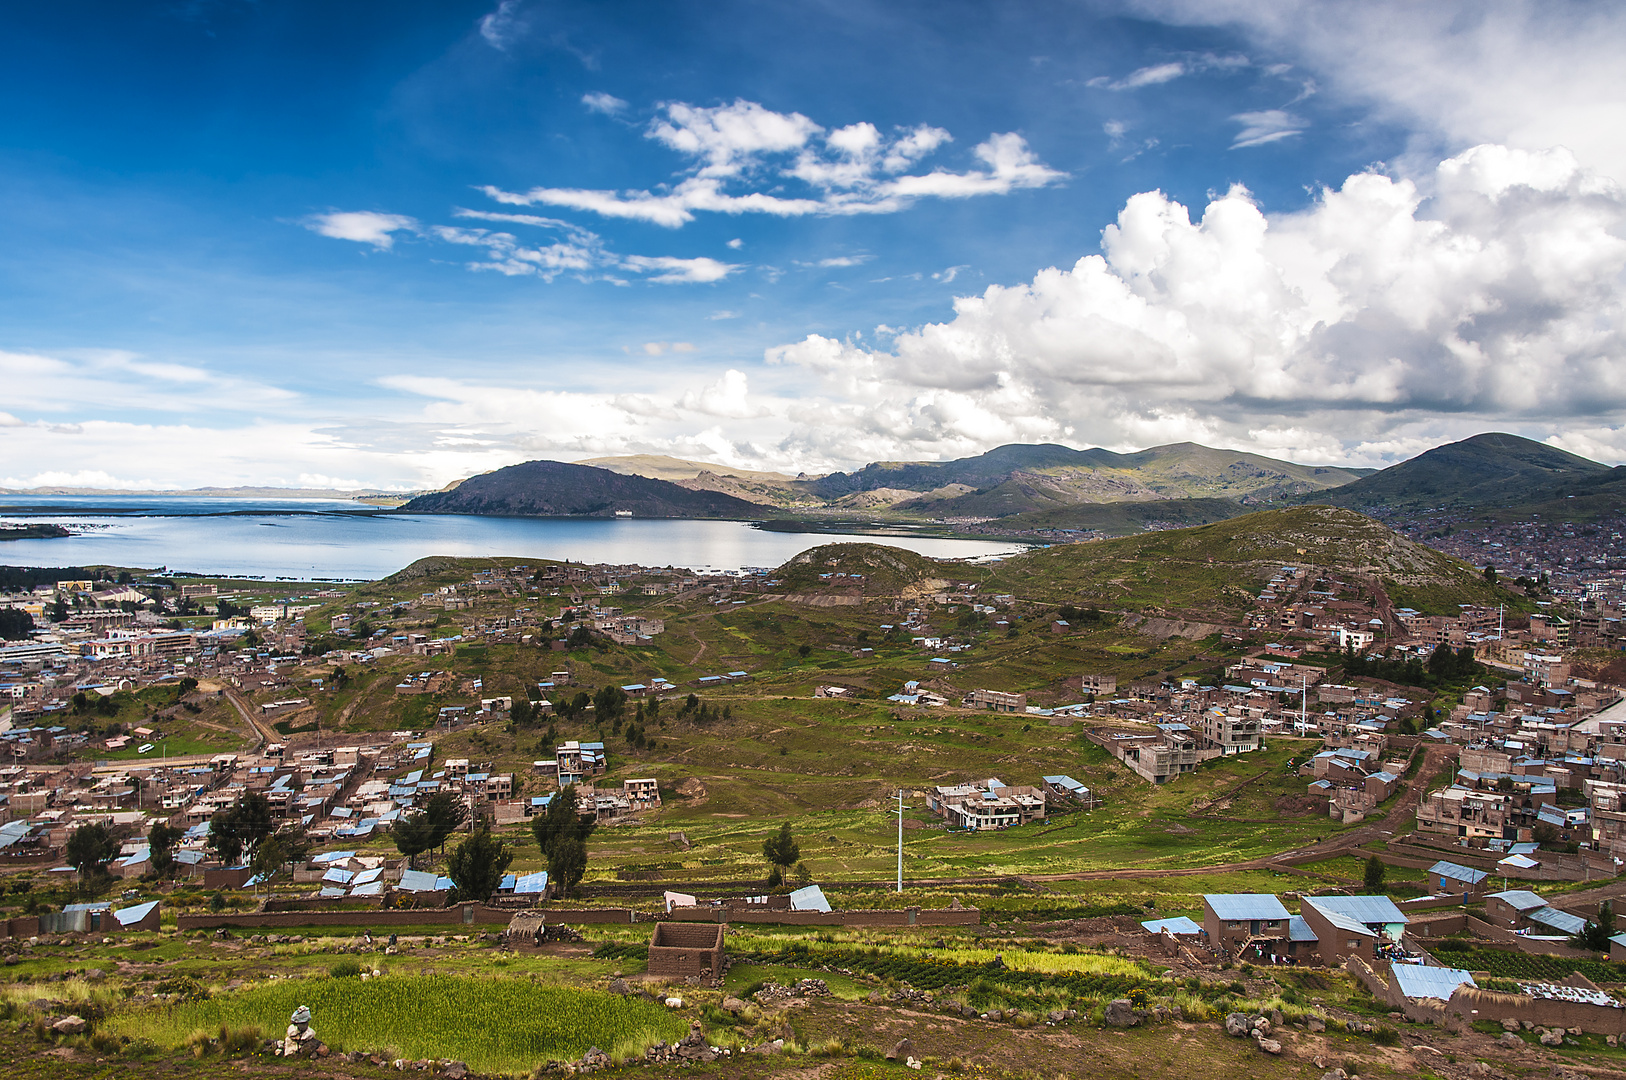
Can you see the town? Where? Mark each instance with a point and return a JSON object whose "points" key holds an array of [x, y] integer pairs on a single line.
{"points": [[653, 772]]}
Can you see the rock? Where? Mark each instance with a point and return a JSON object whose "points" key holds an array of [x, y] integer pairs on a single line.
{"points": [[674, 1003], [1529, 1025], [1550, 1036], [1261, 1026], [1270, 1046], [1575, 1031], [1510, 1025], [1121, 1013], [996, 1015], [968, 1012], [95, 974], [1421, 1050], [70, 1025], [1335, 1074], [1057, 1015], [1236, 1024], [902, 1049], [1612, 1040], [1509, 1040], [454, 1070], [1317, 1024], [1276, 1018], [733, 1005], [1479, 1068], [913, 1063]]}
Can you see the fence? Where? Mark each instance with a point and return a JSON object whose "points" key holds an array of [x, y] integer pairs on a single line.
{"points": [[470, 914], [904, 917]]}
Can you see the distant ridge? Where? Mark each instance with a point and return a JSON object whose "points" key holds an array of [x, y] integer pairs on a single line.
{"points": [[558, 489], [661, 467], [1490, 471]]}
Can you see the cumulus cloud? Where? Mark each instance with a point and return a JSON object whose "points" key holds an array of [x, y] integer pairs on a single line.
{"points": [[856, 169], [1383, 311], [362, 226]]}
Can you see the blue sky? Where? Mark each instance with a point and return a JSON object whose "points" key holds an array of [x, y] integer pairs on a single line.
{"points": [[394, 244]]}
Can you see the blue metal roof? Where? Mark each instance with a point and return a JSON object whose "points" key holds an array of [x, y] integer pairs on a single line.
{"points": [[1520, 899], [1417, 981], [1457, 872], [1237, 907], [1299, 930], [1178, 925], [1562, 921], [1366, 910]]}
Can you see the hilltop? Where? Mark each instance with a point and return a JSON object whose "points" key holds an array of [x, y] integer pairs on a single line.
{"points": [[557, 489], [1490, 471], [867, 569], [1213, 570]]}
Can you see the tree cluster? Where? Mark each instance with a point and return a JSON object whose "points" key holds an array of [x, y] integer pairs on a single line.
{"points": [[240, 827], [477, 865], [1594, 936], [562, 835], [431, 826], [1445, 666]]}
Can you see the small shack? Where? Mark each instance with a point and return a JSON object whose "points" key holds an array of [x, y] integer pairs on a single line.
{"points": [[685, 950]]}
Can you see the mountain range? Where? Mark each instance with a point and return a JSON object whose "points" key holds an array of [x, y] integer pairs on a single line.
{"points": [[1044, 486]]}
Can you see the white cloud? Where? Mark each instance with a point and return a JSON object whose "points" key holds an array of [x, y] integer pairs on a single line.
{"points": [[728, 397], [725, 314], [658, 348], [1372, 318], [851, 170], [362, 226], [1168, 71], [736, 243], [1266, 126], [499, 25], [673, 271], [946, 276], [600, 102], [1524, 73]]}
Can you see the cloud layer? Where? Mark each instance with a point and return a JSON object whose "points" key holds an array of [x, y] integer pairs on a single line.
{"points": [[1492, 298]]}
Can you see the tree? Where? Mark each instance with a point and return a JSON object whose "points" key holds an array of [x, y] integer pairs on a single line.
{"points": [[446, 813], [1594, 936], [161, 841], [1375, 873], [414, 835], [268, 858], [610, 703], [90, 848], [560, 822], [782, 852], [1490, 573], [15, 624], [803, 650], [567, 863], [240, 827], [477, 865]]}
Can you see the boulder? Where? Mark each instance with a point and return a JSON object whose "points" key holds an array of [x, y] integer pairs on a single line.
{"points": [[1317, 1024], [674, 1003], [454, 1070], [70, 1025], [1550, 1036], [1270, 1046], [914, 1063], [1057, 1015], [1237, 1024], [903, 1048], [1335, 1074], [997, 1015], [1510, 1025], [1276, 1018], [1261, 1026], [1509, 1040], [733, 1005], [1574, 1031], [1121, 1013], [619, 986]]}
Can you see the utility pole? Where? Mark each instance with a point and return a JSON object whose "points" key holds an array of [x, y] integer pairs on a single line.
{"points": [[900, 840], [1304, 704]]}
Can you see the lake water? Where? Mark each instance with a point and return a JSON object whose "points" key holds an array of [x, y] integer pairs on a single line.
{"points": [[328, 538]]}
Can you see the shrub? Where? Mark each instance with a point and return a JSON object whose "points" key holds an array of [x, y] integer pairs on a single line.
{"points": [[1384, 1035], [345, 969]]}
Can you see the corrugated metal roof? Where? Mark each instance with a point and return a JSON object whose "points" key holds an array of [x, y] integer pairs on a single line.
{"points": [[1562, 921], [1457, 872], [1417, 981], [1178, 925], [1368, 910], [1299, 930], [1520, 899], [809, 898], [131, 915], [1234, 907]]}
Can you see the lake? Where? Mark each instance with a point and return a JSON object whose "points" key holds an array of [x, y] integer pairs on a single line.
{"points": [[337, 539]]}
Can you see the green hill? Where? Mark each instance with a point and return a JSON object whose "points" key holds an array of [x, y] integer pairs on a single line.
{"points": [[882, 570], [1125, 518], [1215, 571], [557, 489], [1490, 471]]}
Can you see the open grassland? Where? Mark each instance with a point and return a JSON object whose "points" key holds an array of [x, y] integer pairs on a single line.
{"points": [[494, 1025]]}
